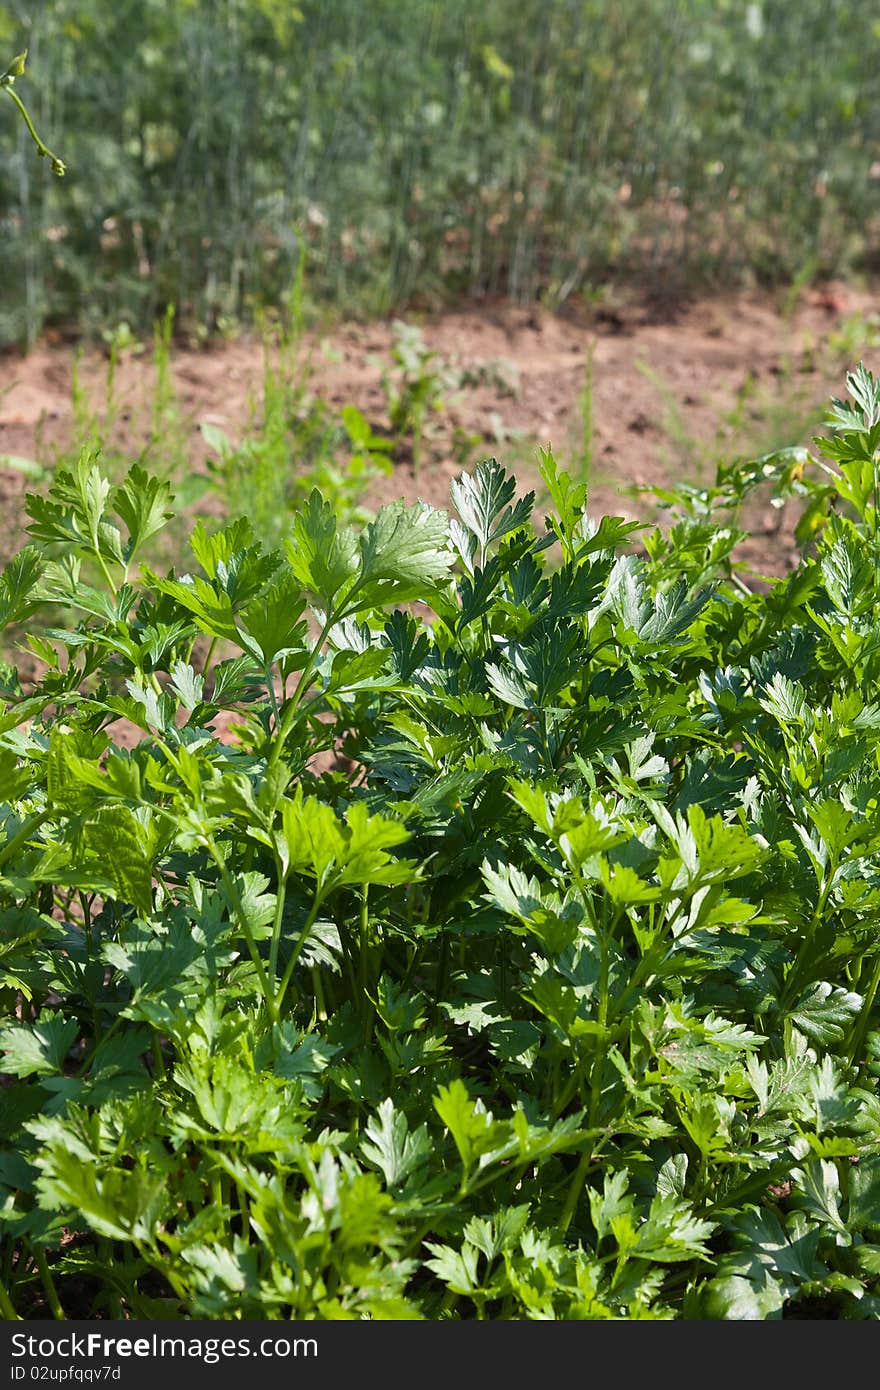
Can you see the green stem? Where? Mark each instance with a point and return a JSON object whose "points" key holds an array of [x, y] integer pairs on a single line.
{"points": [[104, 570], [162, 1264], [58, 166], [22, 834], [344, 610], [235, 902], [348, 954], [649, 964], [575, 1189], [295, 954], [363, 962], [601, 1041], [303, 684], [7, 1307], [270, 687], [860, 1026], [87, 924], [321, 1012], [279, 917], [570, 1088], [819, 912], [244, 1210], [206, 665], [87, 1061], [49, 1285]]}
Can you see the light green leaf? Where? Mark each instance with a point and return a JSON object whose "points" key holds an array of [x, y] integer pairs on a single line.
{"points": [[323, 558], [144, 504], [40, 1047], [403, 554], [508, 686], [389, 1146], [818, 1192], [484, 500], [189, 686], [471, 1128]]}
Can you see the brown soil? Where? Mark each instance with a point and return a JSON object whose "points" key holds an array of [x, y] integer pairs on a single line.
{"points": [[532, 368]]}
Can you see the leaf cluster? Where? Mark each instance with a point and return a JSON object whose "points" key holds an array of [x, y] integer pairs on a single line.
{"points": [[518, 958]]}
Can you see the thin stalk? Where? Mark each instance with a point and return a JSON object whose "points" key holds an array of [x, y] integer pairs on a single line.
{"points": [[52, 1298], [442, 965], [602, 1021], [235, 902], [279, 916], [7, 1307], [349, 958], [209, 655], [344, 610], [649, 964], [104, 570], [22, 834], [245, 1211], [295, 954], [289, 718], [575, 1189], [58, 166], [598, 1067], [363, 962], [701, 1184], [87, 924], [810, 931], [161, 1263], [89, 1057], [270, 686], [862, 1021], [570, 1088], [321, 1013], [545, 746]]}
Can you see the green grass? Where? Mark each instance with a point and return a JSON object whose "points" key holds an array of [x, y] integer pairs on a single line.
{"points": [[532, 149], [766, 417], [291, 440]]}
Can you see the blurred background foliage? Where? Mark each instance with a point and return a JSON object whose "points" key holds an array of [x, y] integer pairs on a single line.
{"points": [[414, 151]]}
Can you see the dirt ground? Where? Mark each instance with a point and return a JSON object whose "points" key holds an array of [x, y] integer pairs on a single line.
{"points": [[662, 381]]}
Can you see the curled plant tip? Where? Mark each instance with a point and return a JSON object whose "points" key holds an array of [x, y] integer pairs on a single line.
{"points": [[58, 165], [16, 69]]}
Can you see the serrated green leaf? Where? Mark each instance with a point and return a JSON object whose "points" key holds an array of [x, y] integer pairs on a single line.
{"points": [[389, 1146], [144, 504], [17, 584], [116, 850], [403, 555], [273, 626], [471, 1128], [823, 1012], [818, 1192], [38, 1048], [323, 559], [188, 685], [483, 501], [508, 686]]}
